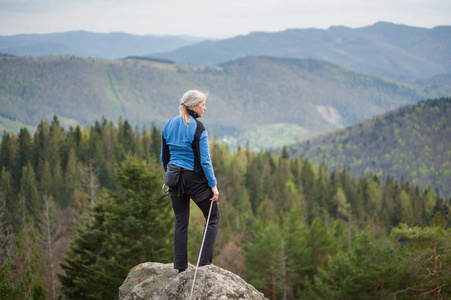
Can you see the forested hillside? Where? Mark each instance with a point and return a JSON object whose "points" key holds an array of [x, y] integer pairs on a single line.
{"points": [[412, 142], [248, 98], [384, 49], [290, 227]]}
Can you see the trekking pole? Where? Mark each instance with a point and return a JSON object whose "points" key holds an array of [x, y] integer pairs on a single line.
{"points": [[200, 251]]}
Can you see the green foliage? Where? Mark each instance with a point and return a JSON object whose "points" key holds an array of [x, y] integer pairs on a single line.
{"points": [[427, 260], [7, 152], [413, 263], [21, 272], [29, 195], [69, 167], [12, 212], [288, 224], [369, 266], [410, 141], [262, 265], [10, 291], [128, 227]]}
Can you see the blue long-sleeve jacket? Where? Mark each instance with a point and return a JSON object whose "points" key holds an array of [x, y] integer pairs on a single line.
{"points": [[186, 146]]}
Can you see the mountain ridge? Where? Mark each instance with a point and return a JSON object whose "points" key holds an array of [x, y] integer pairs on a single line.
{"points": [[406, 53], [397, 51], [91, 44]]}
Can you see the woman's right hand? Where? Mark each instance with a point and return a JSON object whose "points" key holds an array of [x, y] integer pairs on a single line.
{"points": [[215, 191]]}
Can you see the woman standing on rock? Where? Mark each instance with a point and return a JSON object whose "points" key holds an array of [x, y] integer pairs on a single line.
{"points": [[185, 156]]}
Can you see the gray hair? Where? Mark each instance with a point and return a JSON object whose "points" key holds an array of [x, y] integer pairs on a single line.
{"points": [[188, 100]]}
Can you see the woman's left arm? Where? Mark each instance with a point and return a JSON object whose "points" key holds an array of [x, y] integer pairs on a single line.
{"points": [[205, 159]]}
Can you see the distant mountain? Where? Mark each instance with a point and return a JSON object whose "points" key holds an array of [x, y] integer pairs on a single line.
{"points": [[89, 44], [412, 142], [284, 99], [438, 80], [389, 50]]}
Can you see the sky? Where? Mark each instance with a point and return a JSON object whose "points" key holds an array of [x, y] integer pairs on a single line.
{"points": [[210, 18]]}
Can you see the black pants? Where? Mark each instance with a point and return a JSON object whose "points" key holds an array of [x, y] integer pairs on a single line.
{"points": [[181, 206]]}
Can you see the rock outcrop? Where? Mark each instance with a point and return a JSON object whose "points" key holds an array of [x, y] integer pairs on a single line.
{"points": [[160, 281]]}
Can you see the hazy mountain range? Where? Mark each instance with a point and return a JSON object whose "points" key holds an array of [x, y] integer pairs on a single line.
{"points": [[386, 49], [89, 44], [396, 51]]}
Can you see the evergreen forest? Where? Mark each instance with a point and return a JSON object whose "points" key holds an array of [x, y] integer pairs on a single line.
{"points": [[81, 206], [412, 141]]}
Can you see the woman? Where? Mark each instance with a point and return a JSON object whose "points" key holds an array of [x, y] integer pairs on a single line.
{"points": [[185, 147]]}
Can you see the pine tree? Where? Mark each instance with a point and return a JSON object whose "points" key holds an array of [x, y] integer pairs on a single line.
{"points": [[319, 243], [406, 209], [128, 228], [25, 150], [41, 143], [308, 188], [322, 194], [370, 266], [344, 211], [427, 261], [58, 185], [27, 261], [30, 199], [283, 277], [155, 144], [113, 144], [128, 138], [296, 235], [5, 233], [374, 200], [101, 159], [308, 178], [430, 200], [8, 289], [7, 152], [138, 146], [57, 150], [254, 179], [12, 209], [49, 232], [262, 265], [72, 178]]}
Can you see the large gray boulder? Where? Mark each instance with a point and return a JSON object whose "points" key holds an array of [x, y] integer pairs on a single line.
{"points": [[160, 281]]}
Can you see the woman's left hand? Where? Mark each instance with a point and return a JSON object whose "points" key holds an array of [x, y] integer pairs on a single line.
{"points": [[215, 191]]}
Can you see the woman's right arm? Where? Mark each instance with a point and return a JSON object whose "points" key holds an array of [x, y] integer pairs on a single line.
{"points": [[165, 156]]}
